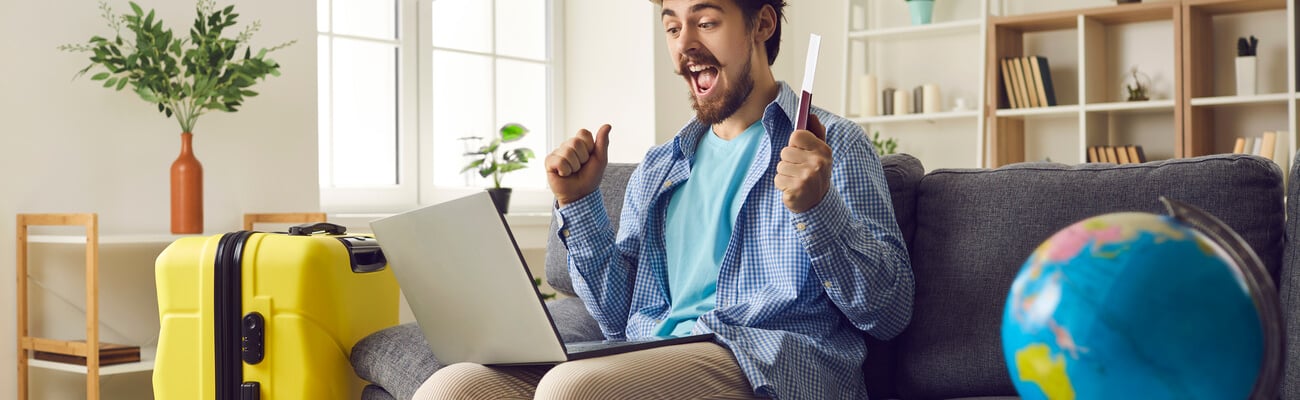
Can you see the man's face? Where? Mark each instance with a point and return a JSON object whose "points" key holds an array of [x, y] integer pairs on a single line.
{"points": [[714, 51]]}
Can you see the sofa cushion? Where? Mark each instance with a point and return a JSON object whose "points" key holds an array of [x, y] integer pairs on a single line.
{"points": [[902, 173], [975, 227], [612, 188]]}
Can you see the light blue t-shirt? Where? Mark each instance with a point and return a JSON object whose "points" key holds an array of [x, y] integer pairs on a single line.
{"points": [[701, 214]]}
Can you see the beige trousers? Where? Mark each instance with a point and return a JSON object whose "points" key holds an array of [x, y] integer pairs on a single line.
{"points": [[688, 371]]}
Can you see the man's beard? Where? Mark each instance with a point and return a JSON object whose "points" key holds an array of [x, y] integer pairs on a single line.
{"points": [[729, 101]]}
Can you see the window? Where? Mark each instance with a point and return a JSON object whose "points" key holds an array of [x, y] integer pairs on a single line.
{"points": [[401, 81]]}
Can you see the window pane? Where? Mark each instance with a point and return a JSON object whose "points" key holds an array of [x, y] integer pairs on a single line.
{"points": [[365, 113], [367, 18], [462, 106], [463, 25], [324, 108], [521, 28], [521, 98], [323, 15]]}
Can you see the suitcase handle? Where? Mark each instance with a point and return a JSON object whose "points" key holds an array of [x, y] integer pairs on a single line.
{"points": [[318, 227]]}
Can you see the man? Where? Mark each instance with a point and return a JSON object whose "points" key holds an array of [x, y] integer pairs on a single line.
{"points": [[781, 242]]}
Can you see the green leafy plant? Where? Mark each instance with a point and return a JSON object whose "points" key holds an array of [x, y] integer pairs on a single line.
{"points": [[490, 160], [183, 76], [1137, 91], [888, 146]]}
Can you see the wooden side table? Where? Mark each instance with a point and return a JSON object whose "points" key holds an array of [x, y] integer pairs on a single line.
{"points": [[90, 347]]}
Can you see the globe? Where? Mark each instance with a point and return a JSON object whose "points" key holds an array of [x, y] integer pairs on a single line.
{"points": [[1132, 304]]}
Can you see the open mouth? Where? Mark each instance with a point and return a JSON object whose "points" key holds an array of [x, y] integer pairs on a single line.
{"points": [[702, 78]]}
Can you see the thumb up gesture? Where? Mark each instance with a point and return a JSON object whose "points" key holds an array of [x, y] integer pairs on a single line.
{"points": [[804, 174], [575, 168]]}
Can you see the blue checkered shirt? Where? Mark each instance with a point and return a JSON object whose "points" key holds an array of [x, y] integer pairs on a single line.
{"points": [[795, 291]]}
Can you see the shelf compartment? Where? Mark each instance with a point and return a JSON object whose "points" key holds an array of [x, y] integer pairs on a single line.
{"points": [[919, 31], [1132, 106], [146, 363], [1240, 100], [928, 117]]}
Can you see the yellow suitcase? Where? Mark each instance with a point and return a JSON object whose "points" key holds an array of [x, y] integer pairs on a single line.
{"points": [[250, 315]]}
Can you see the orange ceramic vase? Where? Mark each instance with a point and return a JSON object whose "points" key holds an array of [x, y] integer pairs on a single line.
{"points": [[187, 190]]}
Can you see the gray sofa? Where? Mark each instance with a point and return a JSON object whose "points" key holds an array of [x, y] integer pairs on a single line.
{"points": [[968, 232]]}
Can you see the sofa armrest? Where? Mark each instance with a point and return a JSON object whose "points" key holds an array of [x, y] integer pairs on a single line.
{"points": [[1289, 287]]}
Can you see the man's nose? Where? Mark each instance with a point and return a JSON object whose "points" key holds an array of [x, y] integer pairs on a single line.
{"points": [[688, 40]]}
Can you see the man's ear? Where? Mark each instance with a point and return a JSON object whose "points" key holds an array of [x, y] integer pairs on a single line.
{"points": [[765, 26]]}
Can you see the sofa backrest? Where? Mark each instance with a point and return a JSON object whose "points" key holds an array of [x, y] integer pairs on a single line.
{"points": [[976, 227], [612, 188]]}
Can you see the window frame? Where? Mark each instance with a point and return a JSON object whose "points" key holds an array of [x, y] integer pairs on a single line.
{"points": [[415, 141]]}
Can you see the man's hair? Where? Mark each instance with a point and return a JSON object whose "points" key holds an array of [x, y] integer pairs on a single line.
{"points": [[751, 8]]}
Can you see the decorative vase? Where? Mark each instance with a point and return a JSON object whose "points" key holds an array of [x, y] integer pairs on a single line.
{"points": [[1245, 75], [921, 11], [501, 198], [187, 189]]}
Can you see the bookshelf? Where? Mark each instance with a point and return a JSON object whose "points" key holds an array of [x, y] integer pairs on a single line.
{"points": [[883, 43], [1184, 49]]}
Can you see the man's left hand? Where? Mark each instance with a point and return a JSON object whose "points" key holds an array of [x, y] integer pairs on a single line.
{"points": [[804, 174]]}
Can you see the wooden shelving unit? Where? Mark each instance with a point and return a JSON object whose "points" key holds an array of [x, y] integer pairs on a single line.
{"points": [[1091, 108], [1184, 47]]}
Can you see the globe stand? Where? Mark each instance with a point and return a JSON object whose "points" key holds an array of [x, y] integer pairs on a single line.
{"points": [[1258, 281]]}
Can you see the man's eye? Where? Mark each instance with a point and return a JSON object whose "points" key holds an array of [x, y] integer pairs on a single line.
{"points": [[707, 25], [673, 30]]}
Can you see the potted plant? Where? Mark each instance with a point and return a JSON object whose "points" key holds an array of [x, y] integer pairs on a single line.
{"points": [[921, 11], [184, 76], [1137, 90], [493, 160]]}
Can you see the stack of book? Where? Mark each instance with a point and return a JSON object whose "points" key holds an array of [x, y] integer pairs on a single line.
{"points": [[1266, 145], [1125, 154], [1028, 82]]}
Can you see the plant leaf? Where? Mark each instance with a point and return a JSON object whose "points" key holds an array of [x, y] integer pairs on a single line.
{"points": [[472, 165], [100, 76], [511, 132]]}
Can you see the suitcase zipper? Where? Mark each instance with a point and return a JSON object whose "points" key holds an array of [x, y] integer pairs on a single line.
{"points": [[227, 307]]}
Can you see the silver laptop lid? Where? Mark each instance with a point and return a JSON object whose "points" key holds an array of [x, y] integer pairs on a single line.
{"points": [[467, 284]]}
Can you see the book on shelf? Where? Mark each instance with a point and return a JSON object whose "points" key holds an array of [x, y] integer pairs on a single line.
{"points": [[1122, 154], [1135, 153], [1119, 154], [1027, 82], [1043, 79], [1240, 146], [1009, 94], [1018, 75], [1111, 155], [1031, 89], [1268, 145], [109, 354], [1258, 143]]}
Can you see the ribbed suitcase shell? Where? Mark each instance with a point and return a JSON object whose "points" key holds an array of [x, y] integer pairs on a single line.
{"points": [[315, 309]]}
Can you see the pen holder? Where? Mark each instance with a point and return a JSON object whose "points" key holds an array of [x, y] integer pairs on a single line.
{"points": [[1245, 75]]}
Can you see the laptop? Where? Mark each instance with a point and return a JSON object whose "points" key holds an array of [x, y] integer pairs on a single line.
{"points": [[471, 292]]}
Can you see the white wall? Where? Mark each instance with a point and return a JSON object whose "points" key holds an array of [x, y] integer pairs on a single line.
{"points": [[71, 146], [608, 65]]}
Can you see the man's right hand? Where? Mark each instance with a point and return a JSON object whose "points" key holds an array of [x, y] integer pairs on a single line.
{"points": [[575, 168]]}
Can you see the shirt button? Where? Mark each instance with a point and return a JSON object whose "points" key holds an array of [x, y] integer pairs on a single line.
{"points": [[668, 183], [564, 233], [801, 226], [827, 284]]}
